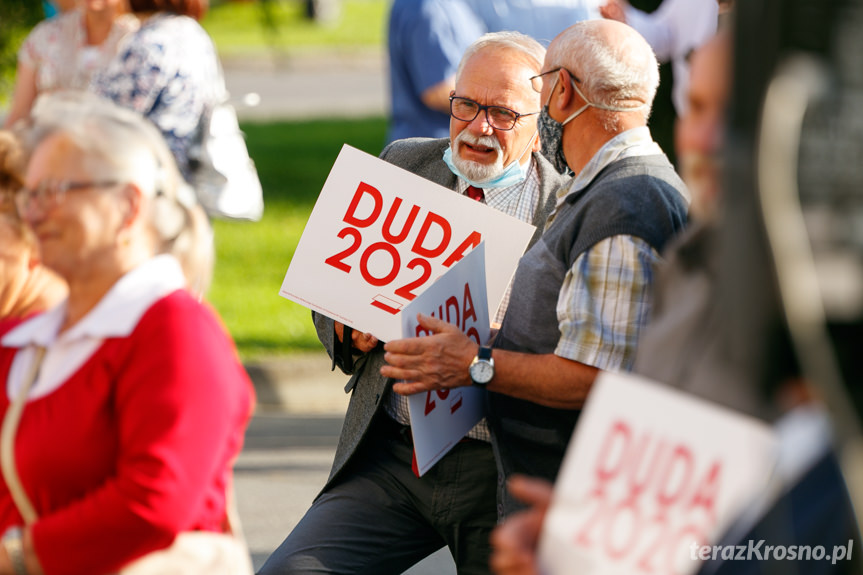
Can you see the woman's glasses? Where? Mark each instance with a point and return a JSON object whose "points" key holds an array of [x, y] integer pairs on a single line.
{"points": [[51, 193]]}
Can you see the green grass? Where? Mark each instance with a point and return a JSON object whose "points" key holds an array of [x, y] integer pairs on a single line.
{"points": [[293, 161], [238, 27]]}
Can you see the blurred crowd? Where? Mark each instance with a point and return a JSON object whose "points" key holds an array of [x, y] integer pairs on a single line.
{"points": [[126, 403]]}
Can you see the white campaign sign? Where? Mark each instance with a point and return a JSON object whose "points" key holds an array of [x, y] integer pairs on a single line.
{"points": [[650, 471], [439, 419], [379, 235]]}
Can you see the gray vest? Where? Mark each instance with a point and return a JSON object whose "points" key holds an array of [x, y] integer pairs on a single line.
{"points": [[637, 196]]}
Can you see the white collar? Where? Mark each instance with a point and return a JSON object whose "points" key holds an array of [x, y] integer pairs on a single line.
{"points": [[116, 314], [633, 142]]}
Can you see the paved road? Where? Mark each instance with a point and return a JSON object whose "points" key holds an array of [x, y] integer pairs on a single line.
{"points": [[308, 86], [289, 449]]}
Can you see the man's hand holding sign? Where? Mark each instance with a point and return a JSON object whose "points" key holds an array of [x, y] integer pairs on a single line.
{"points": [[440, 418]]}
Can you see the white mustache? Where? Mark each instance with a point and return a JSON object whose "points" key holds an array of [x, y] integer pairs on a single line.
{"points": [[487, 141]]}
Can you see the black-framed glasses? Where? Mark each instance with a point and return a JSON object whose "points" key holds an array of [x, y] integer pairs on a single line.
{"points": [[50, 193], [537, 81], [498, 117]]}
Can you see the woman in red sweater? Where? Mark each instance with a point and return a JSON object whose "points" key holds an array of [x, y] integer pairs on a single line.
{"points": [[139, 406]]}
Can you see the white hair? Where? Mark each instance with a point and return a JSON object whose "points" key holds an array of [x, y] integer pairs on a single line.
{"points": [[623, 74], [508, 41], [120, 144]]}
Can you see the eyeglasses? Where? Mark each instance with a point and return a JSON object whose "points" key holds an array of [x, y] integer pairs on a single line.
{"points": [[498, 117], [537, 81], [51, 193]]}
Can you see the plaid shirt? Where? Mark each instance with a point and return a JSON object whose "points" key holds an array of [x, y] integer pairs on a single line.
{"points": [[519, 201], [605, 297], [604, 302]]}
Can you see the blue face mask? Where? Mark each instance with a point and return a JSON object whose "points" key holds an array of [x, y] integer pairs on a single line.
{"points": [[511, 175]]}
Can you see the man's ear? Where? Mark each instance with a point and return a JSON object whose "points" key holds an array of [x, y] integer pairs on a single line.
{"points": [[563, 94], [537, 143]]}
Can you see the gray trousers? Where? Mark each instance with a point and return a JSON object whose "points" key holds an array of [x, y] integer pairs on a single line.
{"points": [[380, 519]]}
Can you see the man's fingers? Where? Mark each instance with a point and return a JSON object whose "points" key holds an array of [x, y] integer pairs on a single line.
{"points": [[436, 325], [535, 492], [514, 544], [364, 342], [410, 388]]}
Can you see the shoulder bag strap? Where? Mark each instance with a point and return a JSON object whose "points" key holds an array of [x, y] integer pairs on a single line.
{"points": [[7, 443]]}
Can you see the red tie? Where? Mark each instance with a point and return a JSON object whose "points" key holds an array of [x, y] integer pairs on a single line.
{"points": [[475, 193]]}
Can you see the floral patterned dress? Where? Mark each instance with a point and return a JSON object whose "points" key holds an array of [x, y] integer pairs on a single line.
{"points": [[169, 72], [57, 50]]}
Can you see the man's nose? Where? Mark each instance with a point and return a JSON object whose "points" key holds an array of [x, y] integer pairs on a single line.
{"points": [[480, 124]]}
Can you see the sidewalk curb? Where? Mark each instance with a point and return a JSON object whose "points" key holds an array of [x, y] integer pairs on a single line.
{"points": [[300, 383]]}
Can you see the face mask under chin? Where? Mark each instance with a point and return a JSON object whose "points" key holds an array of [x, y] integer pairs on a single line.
{"points": [[480, 172], [512, 174]]}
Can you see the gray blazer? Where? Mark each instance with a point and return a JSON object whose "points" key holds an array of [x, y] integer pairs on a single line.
{"points": [[424, 157]]}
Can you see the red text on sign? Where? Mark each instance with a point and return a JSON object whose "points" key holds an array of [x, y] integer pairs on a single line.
{"points": [[432, 241], [649, 499]]}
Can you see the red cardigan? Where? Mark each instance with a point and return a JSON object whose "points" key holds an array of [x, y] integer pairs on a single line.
{"points": [[136, 446]]}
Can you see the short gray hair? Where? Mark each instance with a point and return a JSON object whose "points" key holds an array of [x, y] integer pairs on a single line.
{"points": [[505, 40], [612, 75], [118, 143]]}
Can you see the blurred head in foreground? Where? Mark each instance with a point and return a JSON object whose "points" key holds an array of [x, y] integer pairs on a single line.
{"points": [[103, 194]]}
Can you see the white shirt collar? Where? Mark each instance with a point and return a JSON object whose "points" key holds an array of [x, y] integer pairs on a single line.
{"points": [[116, 314], [631, 143]]}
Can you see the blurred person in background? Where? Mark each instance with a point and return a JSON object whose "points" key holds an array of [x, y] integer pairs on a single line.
{"points": [[54, 7], [65, 52], [540, 19], [425, 43], [26, 286], [138, 402], [168, 71], [673, 30], [427, 38]]}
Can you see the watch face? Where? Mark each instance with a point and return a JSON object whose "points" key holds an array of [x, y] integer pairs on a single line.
{"points": [[481, 372]]}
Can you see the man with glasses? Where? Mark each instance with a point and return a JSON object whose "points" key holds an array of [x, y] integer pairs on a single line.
{"points": [[374, 515], [582, 293]]}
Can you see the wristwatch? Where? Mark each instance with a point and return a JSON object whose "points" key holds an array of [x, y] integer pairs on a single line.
{"points": [[13, 543], [482, 367]]}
